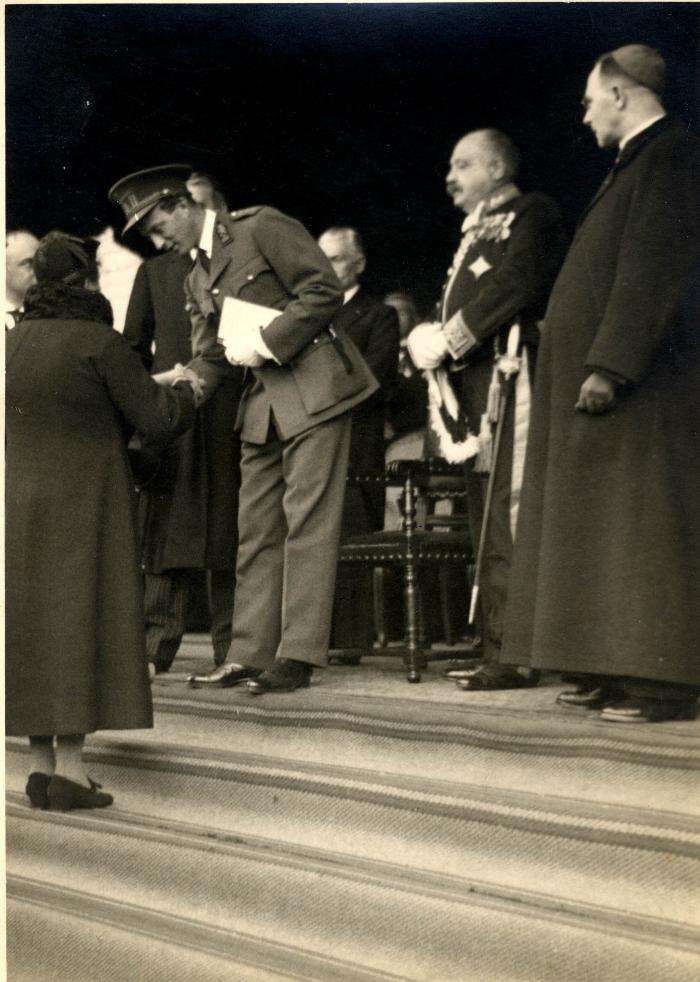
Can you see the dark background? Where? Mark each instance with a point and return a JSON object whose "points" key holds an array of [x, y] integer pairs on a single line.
{"points": [[337, 114]]}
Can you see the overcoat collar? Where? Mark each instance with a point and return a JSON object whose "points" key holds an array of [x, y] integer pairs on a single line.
{"points": [[64, 301], [628, 154]]}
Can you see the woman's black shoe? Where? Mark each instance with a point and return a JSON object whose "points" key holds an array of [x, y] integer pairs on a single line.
{"points": [[37, 789], [64, 795]]}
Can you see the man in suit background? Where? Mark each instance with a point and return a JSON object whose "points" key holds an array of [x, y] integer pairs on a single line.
{"points": [[496, 291], [20, 246], [374, 328], [606, 574], [189, 509], [302, 381]]}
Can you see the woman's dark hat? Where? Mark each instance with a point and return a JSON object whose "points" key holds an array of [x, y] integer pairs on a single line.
{"points": [[65, 258], [138, 193]]}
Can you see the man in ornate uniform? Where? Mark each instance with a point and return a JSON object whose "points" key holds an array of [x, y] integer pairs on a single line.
{"points": [[606, 576], [301, 381], [495, 294]]}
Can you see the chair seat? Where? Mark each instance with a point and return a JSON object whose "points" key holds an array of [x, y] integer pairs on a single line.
{"points": [[390, 547]]}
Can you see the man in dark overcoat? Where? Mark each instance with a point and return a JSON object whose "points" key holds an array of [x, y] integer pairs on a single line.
{"points": [[374, 327], [189, 509], [496, 291], [606, 577], [302, 380]]}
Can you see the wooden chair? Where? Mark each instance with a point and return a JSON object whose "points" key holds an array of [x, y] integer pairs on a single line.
{"points": [[416, 547]]}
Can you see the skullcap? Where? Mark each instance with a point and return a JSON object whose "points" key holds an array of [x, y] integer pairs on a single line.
{"points": [[643, 64]]}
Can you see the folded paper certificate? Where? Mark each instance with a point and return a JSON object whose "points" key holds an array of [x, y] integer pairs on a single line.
{"points": [[239, 315]]}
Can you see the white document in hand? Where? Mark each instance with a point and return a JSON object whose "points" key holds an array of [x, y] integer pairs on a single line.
{"points": [[240, 316]]}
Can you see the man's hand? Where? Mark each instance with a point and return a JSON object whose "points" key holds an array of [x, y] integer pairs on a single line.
{"points": [[427, 345], [245, 359], [597, 394], [245, 348]]}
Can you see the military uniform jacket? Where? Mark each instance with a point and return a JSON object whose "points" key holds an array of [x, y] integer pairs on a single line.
{"points": [[503, 271], [264, 257]]}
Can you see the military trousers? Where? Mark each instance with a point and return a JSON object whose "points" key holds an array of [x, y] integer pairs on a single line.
{"points": [[289, 519]]}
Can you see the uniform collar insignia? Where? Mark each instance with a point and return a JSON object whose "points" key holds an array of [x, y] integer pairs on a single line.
{"points": [[223, 234]]}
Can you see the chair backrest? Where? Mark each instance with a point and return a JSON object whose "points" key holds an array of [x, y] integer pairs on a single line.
{"points": [[426, 484]]}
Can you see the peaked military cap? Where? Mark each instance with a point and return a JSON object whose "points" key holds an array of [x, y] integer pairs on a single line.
{"points": [[138, 193]]}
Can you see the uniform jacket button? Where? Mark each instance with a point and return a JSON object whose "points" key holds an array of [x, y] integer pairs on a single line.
{"points": [[215, 291]]}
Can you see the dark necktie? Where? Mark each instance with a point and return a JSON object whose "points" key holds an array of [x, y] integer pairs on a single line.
{"points": [[203, 260]]}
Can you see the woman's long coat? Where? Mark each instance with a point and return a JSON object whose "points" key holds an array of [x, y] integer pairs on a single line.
{"points": [[76, 659], [606, 573]]}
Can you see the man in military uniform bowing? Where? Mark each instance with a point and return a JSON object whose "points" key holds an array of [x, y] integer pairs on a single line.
{"points": [[301, 380], [497, 288]]}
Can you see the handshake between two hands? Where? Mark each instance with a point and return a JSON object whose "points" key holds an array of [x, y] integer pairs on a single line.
{"points": [[181, 373]]}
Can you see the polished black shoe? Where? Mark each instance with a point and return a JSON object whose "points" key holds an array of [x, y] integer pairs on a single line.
{"points": [[286, 675], [224, 676], [339, 659], [37, 789], [64, 795], [490, 678], [590, 695], [462, 669], [642, 710]]}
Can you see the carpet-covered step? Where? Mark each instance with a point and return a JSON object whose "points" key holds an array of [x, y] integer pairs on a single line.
{"points": [[374, 915], [61, 935], [642, 861], [514, 740]]}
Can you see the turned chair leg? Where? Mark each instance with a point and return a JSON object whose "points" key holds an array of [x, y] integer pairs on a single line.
{"points": [[444, 581], [414, 658], [379, 584]]}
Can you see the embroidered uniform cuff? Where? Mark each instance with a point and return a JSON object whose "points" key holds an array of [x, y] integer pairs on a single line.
{"points": [[459, 338]]}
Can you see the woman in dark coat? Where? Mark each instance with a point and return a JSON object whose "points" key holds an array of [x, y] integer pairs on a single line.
{"points": [[76, 658]]}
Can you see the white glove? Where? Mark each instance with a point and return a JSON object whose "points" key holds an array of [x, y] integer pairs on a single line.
{"points": [[246, 348], [427, 345]]}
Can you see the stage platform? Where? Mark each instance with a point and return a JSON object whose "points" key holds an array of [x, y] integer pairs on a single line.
{"points": [[365, 829]]}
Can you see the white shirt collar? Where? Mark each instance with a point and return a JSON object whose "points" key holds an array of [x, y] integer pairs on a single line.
{"points": [[640, 129], [349, 294], [206, 239], [10, 312]]}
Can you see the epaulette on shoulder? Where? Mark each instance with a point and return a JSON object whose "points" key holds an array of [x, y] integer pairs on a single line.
{"points": [[246, 212]]}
